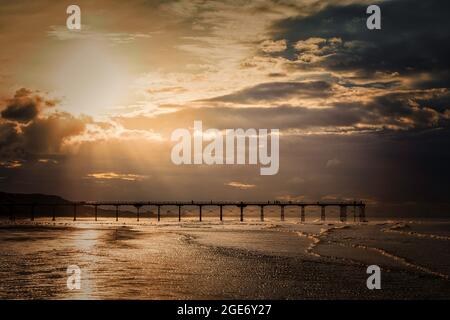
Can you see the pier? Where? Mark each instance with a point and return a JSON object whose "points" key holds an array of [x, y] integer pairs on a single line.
{"points": [[357, 206]]}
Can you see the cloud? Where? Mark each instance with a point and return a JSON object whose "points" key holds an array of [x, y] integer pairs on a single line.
{"points": [[51, 161], [270, 46], [64, 34], [371, 85], [116, 176], [274, 91], [47, 135], [8, 134], [405, 110], [318, 46], [25, 106], [240, 185], [11, 164], [25, 132], [336, 38]]}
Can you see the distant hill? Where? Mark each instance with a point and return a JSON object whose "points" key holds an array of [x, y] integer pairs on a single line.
{"points": [[6, 197], [64, 207]]}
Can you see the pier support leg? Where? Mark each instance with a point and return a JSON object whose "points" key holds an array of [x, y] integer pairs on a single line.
{"points": [[179, 213], [159, 213], [242, 213], [282, 213], [53, 213], [11, 216], [302, 214], [74, 212], [343, 213], [117, 213], [262, 213], [137, 213], [95, 212], [200, 213], [221, 213], [362, 213], [322, 213]]}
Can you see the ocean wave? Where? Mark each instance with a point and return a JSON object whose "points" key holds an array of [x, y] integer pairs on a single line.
{"points": [[399, 228], [319, 238], [401, 260]]}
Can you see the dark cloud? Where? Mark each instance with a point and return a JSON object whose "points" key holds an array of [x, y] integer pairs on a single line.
{"points": [[274, 91], [48, 134], [402, 110], [26, 133], [405, 110], [414, 38], [373, 85], [280, 117], [25, 106], [8, 133], [439, 101]]}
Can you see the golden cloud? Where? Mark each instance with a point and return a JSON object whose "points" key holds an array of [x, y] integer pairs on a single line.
{"points": [[116, 176], [240, 185]]}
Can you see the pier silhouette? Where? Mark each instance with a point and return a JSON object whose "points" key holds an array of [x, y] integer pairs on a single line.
{"points": [[358, 207]]}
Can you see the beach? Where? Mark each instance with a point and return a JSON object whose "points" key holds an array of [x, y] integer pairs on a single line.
{"points": [[224, 260]]}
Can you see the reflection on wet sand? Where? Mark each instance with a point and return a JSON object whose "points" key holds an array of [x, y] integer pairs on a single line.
{"points": [[213, 260]]}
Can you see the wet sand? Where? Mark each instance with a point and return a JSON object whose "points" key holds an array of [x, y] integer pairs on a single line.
{"points": [[230, 260]]}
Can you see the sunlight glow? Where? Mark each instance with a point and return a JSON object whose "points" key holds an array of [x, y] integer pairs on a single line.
{"points": [[91, 78]]}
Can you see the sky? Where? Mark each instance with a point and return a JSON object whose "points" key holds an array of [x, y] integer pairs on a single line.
{"points": [[362, 114]]}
